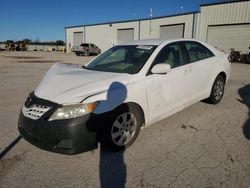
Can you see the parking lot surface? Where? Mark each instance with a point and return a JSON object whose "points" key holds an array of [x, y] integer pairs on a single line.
{"points": [[202, 146]]}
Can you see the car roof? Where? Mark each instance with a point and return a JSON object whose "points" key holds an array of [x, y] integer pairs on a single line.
{"points": [[145, 42], [155, 42]]}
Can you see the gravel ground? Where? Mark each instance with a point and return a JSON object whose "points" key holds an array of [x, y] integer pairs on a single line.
{"points": [[201, 146]]}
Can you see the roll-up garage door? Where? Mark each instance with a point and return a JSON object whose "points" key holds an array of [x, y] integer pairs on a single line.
{"points": [[172, 31], [230, 36], [125, 35], [78, 38]]}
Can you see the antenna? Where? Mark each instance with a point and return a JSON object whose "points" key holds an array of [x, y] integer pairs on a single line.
{"points": [[150, 15]]}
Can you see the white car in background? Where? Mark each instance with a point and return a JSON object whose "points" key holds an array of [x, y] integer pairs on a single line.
{"points": [[127, 87]]}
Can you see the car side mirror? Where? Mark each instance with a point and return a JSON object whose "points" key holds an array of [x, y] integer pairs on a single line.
{"points": [[161, 68]]}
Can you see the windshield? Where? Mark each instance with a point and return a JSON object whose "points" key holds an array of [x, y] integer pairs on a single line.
{"points": [[122, 59]]}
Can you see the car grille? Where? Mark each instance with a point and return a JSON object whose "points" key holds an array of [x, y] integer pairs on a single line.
{"points": [[35, 111]]}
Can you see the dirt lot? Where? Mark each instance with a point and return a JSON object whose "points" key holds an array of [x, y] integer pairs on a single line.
{"points": [[201, 146]]}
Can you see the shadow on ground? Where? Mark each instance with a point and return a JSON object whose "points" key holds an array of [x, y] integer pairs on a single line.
{"points": [[244, 93], [112, 169]]}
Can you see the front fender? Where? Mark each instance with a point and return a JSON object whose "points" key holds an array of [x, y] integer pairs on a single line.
{"points": [[108, 100], [118, 94]]}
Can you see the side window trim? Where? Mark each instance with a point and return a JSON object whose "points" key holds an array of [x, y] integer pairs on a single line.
{"points": [[186, 57]]}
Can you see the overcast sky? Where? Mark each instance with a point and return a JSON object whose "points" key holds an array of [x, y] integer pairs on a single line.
{"points": [[45, 19]]}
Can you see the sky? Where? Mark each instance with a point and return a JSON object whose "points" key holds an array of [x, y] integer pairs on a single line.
{"points": [[45, 20]]}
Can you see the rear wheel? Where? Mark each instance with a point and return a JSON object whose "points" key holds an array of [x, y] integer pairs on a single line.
{"points": [[248, 59], [124, 127], [217, 90], [87, 53]]}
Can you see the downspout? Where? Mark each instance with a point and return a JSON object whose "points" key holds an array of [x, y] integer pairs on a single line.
{"points": [[139, 30], [84, 29]]}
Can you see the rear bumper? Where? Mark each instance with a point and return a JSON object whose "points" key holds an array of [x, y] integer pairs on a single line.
{"points": [[69, 136]]}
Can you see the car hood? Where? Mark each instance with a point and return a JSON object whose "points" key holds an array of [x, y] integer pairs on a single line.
{"points": [[65, 83]]}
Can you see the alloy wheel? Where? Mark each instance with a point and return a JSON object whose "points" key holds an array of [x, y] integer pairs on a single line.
{"points": [[123, 129], [218, 90]]}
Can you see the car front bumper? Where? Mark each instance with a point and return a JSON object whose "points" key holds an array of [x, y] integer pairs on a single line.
{"points": [[69, 136]]}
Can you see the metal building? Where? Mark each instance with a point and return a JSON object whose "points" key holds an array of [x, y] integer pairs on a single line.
{"points": [[224, 25]]}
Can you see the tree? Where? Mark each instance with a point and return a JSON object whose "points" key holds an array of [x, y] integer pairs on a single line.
{"points": [[59, 42], [27, 41]]}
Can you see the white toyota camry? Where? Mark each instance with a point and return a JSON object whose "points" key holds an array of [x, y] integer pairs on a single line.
{"points": [[125, 88]]}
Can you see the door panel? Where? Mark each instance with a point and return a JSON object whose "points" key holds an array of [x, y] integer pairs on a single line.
{"points": [[202, 62], [202, 72], [169, 92]]}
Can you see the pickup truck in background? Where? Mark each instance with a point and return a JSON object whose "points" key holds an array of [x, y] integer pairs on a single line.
{"points": [[86, 49]]}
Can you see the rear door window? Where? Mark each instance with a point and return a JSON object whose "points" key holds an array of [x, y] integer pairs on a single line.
{"points": [[197, 51]]}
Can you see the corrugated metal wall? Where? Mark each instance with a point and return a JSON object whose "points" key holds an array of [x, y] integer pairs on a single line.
{"points": [[70, 36], [106, 35], [78, 38], [154, 30], [172, 31], [225, 37], [125, 35], [195, 25], [221, 14]]}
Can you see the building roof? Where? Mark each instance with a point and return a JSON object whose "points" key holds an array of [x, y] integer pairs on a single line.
{"points": [[132, 20], [223, 2], [158, 17]]}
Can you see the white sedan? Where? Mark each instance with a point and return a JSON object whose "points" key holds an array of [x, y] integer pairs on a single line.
{"points": [[127, 87]]}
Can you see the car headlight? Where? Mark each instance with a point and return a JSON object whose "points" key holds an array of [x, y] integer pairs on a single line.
{"points": [[72, 111]]}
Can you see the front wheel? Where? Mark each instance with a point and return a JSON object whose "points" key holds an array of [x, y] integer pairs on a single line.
{"points": [[124, 127], [217, 90]]}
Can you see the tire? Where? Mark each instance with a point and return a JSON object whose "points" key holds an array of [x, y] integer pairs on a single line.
{"points": [[217, 90], [123, 127], [86, 53], [248, 59]]}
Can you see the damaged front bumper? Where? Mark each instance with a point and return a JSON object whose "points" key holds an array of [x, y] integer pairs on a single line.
{"points": [[68, 136]]}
